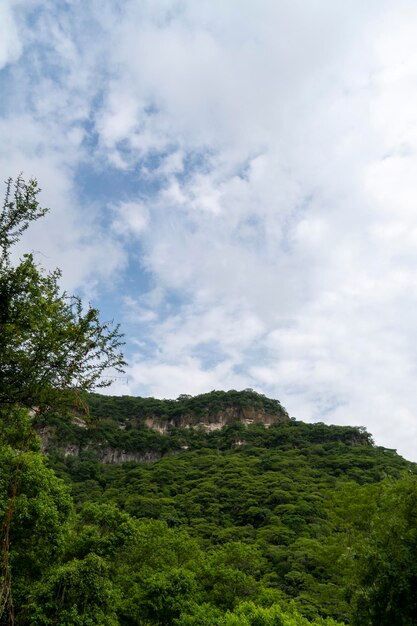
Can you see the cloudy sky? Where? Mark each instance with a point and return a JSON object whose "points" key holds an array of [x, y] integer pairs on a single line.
{"points": [[236, 184]]}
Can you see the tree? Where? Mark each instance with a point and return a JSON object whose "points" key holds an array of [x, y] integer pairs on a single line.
{"points": [[35, 508], [77, 593], [49, 342], [384, 576], [50, 347]]}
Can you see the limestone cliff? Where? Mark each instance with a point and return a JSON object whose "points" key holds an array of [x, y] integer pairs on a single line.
{"points": [[127, 429], [217, 420]]}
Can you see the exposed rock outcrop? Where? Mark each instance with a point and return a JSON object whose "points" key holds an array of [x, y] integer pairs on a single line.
{"points": [[217, 421], [117, 429], [110, 455]]}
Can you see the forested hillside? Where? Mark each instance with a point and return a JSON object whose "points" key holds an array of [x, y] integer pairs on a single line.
{"points": [[117, 429], [228, 513], [276, 515]]}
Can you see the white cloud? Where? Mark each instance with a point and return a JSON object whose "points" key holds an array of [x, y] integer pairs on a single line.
{"points": [[300, 211], [130, 218], [164, 380], [68, 237], [10, 43], [270, 150]]}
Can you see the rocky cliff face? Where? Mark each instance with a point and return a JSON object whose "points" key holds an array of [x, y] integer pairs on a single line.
{"points": [[216, 421], [127, 429]]}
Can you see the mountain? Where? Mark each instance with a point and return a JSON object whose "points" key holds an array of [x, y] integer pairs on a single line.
{"points": [[120, 429], [268, 510]]}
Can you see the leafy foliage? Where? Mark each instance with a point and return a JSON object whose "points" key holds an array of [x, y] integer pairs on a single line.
{"points": [[384, 568], [274, 513], [276, 530], [20, 207], [48, 343], [35, 508], [206, 405], [49, 348]]}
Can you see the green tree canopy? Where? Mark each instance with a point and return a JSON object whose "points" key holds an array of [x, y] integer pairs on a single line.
{"points": [[49, 342], [50, 346], [384, 571]]}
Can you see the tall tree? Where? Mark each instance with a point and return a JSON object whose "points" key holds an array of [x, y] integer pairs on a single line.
{"points": [[49, 342], [50, 346]]}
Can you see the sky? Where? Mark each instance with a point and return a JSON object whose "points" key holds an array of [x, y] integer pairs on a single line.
{"points": [[235, 183]]}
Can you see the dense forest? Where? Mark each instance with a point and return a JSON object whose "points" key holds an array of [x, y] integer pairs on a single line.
{"points": [[279, 517], [228, 513]]}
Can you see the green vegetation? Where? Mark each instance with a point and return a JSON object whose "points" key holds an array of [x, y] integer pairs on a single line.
{"points": [[204, 406], [48, 343], [292, 525], [283, 493]]}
